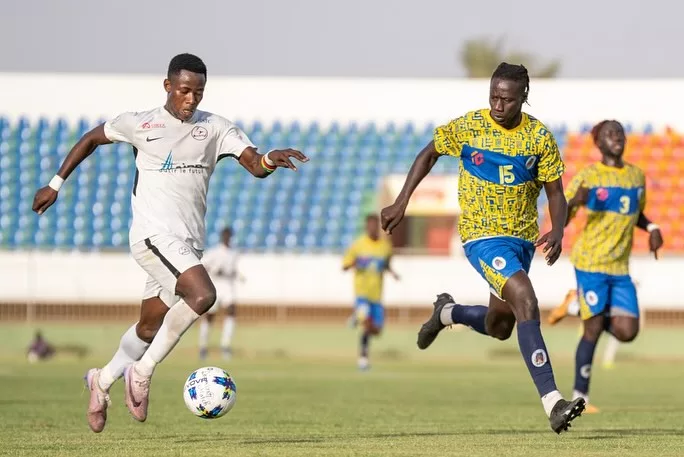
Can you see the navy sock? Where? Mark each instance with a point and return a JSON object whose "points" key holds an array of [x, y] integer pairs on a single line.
{"points": [[583, 359], [472, 316], [365, 336], [536, 357]]}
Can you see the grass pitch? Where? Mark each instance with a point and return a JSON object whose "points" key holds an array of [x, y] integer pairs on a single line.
{"points": [[299, 394]]}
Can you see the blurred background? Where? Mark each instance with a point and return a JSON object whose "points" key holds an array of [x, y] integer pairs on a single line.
{"points": [[359, 87]]}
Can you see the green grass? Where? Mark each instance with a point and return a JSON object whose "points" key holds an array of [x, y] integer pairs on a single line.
{"points": [[299, 394]]}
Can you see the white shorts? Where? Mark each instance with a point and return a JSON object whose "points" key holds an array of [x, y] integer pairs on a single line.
{"points": [[164, 258], [224, 297]]}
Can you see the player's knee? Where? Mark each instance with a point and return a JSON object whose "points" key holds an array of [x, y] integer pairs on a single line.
{"points": [[593, 328], [370, 328], [501, 328], [204, 300], [525, 307], [502, 331], [146, 331], [625, 334], [590, 335]]}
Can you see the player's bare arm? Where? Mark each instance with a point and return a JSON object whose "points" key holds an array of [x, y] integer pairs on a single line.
{"points": [[391, 271], [347, 267], [46, 196], [263, 165], [576, 202], [391, 216], [655, 237], [558, 207]]}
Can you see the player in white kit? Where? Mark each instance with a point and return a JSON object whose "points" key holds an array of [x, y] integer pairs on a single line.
{"points": [[221, 264], [176, 149]]}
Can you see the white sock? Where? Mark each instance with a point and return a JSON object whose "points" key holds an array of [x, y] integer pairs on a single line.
{"points": [[131, 348], [227, 332], [445, 315], [204, 327], [549, 401], [577, 394], [611, 349], [176, 322], [574, 308]]}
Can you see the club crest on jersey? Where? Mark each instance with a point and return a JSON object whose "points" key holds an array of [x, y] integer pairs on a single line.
{"points": [[169, 166], [199, 133], [530, 162], [602, 194], [477, 158]]}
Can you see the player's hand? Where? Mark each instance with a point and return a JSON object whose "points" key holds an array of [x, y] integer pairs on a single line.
{"points": [[553, 245], [281, 158], [44, 199], [655, 242], [391, 216]]}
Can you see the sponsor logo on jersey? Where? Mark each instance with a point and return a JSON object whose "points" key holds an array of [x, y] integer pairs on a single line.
{"points": [[168, 166], [153, 125]]}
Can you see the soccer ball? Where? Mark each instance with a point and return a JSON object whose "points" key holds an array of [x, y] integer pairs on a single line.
{"points": [[209, 392]]}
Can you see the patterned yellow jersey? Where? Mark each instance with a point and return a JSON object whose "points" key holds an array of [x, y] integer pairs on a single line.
{"points": [[501, 173], [616, 198], [370, 258]]}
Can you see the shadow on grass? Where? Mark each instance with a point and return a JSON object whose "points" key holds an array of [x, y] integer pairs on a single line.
{"points": [[596, 434]]}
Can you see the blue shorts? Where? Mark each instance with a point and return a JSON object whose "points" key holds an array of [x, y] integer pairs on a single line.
{"points": [[367, 310], [499, 258], [601, 293]]}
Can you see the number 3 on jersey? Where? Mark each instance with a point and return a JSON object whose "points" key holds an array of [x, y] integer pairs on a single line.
{"points": [[506, 175], [624, 204]]}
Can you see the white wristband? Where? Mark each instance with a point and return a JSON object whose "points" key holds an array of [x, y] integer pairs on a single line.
{"points": [[268, 160], [650, 227], [56, 183]]}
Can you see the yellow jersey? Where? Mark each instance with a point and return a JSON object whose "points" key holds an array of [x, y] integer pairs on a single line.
{"points": [[616, 198], [501, 173], [370, 258]]}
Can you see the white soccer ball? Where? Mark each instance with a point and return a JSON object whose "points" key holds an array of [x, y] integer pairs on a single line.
{"points": [[209, 392]]}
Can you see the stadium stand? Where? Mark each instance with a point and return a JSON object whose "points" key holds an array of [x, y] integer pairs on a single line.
{"points": [[317, 209]]}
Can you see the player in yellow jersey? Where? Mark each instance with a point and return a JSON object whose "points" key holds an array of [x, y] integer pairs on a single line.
{"points": [[614, 194], [369, 256], [506, 157]]}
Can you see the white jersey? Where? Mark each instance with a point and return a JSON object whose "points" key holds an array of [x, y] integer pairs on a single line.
{"points": [[221, 264], [174, 161]]}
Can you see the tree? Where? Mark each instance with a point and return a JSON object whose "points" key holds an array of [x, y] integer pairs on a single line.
{"points": [[481, 56]]}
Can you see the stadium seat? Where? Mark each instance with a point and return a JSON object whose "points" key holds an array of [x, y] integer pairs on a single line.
{"points": [[319, 208]]}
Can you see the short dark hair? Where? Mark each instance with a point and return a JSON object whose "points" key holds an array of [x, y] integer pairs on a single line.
{"points": [[372, 216], [227, 230], [189, 62], [514, 73]]}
